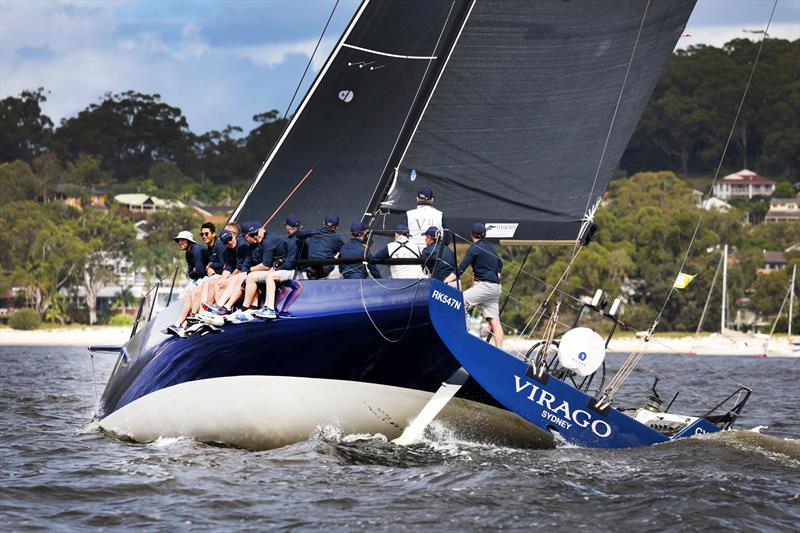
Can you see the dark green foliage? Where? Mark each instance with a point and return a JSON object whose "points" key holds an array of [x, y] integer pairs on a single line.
{"points": [[25, 319], [24, 131], [688, 118]]}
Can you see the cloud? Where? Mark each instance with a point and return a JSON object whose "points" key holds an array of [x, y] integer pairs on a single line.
{"points": [[78, 52]]}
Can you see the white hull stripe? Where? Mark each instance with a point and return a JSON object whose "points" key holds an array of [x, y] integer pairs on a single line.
{"points": [[387, 54], [262, 412]]}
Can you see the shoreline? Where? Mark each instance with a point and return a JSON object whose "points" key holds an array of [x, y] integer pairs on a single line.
{"points": [[707, 344], [84, 337]]}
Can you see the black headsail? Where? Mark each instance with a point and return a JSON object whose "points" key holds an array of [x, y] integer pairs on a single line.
{"points": [[514, 131], [352, 117]]}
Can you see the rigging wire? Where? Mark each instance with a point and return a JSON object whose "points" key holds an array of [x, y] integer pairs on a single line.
{"points": [[721, 159], [310, 61], [636, 355]]}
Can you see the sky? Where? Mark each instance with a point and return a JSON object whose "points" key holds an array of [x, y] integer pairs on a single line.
{"points": [[222, 62]]}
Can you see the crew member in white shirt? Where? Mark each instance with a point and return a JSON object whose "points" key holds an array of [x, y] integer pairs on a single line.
{"points": [[400, 248], [423, 217]]}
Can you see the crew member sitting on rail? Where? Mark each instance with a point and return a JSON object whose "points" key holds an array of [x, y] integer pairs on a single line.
{"points": [[400, 248], [322, 243], [196, 261], [486, 266], [439, 260], [273, 254], [284, 273], [253, 234], [357, 249]]}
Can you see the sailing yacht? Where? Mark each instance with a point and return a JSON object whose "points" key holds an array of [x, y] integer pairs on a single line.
{"points": [[516, 113]]}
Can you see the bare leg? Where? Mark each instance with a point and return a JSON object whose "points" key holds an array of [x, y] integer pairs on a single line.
{"points": [[232, 292], [251, 289], [271, 282], [186, 307], [196, 299], [294, 294], [497, 331]]}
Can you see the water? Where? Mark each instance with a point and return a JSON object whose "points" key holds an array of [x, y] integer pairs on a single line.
{"points": [[58, 474]]}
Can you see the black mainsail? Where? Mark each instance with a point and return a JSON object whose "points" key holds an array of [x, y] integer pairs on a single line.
{"points": [[502, 106]]}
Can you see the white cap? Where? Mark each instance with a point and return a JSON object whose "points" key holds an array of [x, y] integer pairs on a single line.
{"points": [[184, 235]]}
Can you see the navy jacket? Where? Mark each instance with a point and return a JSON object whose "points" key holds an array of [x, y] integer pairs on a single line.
{"points": [[273, 250], [291, 252], [355, 250], [242, 252], [196, 260], [442, 268], [254, 256], [216, 258], [322, 243], [486, 265]]}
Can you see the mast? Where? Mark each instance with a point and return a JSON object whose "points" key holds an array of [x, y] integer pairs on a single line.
{"points": [[724, 288], [791, 298]]}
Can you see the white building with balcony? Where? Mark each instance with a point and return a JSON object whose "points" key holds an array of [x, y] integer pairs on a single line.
{"points": [[743, 184]]}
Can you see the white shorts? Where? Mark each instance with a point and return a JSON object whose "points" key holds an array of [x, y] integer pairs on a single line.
{"points": [[279, 275], [283, 275], [487, 296]]}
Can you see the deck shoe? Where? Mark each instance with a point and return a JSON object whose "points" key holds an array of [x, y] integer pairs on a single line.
{"points": [[286, 314], [265, 312], [176, 330], [241, 317], [209, 317]]}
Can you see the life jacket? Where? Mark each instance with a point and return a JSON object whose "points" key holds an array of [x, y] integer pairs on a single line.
{"points": [[419, 220], [402, 248]]}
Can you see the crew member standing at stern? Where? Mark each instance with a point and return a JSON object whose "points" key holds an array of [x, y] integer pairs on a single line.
{"points": [[486, 266]]}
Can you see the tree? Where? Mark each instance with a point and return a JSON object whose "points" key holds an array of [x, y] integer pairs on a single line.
{"points": [[784, 189], [129, 131], [17, 182], [109, 241], [25, 132]]}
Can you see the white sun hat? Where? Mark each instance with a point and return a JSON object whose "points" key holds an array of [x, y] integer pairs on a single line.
{"points": [[184, 235]]}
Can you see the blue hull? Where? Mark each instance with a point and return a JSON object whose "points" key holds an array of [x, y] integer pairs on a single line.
{"points": [[549, 404], [332, 337]]}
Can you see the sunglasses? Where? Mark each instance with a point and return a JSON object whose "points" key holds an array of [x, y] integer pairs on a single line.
{"points": [[205, 233]]}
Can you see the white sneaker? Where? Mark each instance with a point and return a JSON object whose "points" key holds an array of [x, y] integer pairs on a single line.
{"points": [[241, 317], [176, 330], [265, 312], [211, 318]]}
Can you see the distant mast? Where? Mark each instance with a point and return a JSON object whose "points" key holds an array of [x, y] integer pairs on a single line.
{"points": [[724, 288], [791, 300]]}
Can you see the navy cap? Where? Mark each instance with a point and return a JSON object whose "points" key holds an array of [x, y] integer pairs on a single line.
{"points": [[249, 228], [225, 237], [402, 229], [425, 193], [293, 221], [332, 220], [357, 227], [432, 232], [478, 228]]}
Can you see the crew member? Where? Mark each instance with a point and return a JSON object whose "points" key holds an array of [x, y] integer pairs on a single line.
{"points": [[400, 248], [196, 255], [486, 266], [253, 234], [322, 243], [273, 254], [423, 217], [439, 260], [284, 273], [357, 249]]}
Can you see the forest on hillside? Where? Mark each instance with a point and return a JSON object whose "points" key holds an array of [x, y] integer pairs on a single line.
{"points": [[135, 142]]}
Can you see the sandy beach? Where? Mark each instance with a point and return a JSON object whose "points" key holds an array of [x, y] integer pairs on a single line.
{"points": [[65, 336], [711, 344]]}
